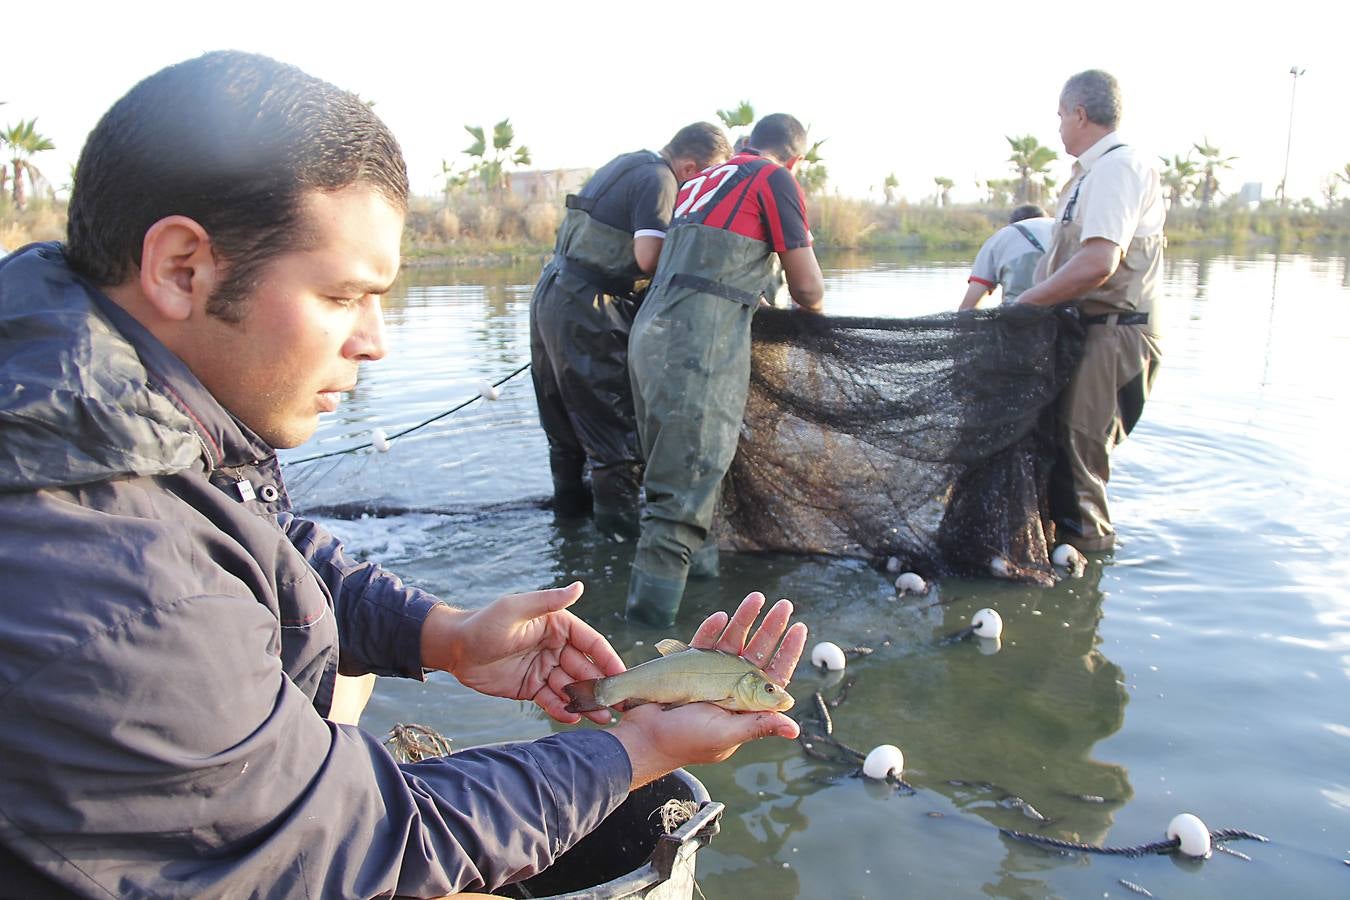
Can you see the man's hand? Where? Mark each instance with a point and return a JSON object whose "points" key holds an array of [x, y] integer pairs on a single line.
{"points": [[523, 647], [659, 741]]}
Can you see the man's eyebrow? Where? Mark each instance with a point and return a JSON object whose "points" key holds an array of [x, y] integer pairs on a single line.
{"points": [[357, 286]]}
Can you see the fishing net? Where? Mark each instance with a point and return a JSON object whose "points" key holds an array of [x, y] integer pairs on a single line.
{"points": [[928, 440]]}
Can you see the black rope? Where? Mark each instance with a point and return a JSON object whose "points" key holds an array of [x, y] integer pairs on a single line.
{"points": [[410, 430], [1224, 834]]}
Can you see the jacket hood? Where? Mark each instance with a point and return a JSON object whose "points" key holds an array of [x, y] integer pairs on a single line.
{"points": [[77, 402]]}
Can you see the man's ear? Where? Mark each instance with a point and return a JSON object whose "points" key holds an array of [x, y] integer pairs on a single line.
{"points": [[686, 169], [178, 270]]}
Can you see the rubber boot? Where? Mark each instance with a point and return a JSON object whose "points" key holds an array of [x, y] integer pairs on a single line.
{"points": [[571, 499], [616, 488], [619, 523], [652, 600], [705, 562]]}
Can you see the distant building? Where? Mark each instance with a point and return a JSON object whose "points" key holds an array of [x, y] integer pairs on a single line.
{"points": [[548, 185], [1250, 193]]}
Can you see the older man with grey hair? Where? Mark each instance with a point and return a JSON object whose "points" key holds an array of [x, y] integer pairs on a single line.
{"points": [[1105, 256]]}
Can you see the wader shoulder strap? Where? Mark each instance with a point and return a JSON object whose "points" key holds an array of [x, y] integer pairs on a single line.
{"points": [[587, 203], [717, 288], [1073, 201], [1026, 233]]}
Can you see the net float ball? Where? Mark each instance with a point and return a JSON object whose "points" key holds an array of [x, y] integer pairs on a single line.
{"points": [[379, 440], [910, 583], [1192, 833], [884, 760], [1066, 556], [986, 624], [829, 655], [893, 565], [488, 391], [998, 567]]}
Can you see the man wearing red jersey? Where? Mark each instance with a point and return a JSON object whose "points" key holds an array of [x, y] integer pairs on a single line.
{"points": [[689, 350]]}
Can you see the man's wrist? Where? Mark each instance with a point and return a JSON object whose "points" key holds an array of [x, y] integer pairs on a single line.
{"points": [[440, 642], [647, 762]]}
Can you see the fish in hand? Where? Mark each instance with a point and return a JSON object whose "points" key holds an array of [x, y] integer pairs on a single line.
{"points": [[683, 675]]}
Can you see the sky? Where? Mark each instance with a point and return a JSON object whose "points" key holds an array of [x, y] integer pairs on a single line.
{"points": [[917, 92]]}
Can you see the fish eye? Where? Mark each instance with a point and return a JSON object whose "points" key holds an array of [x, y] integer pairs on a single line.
{"points": [[770, 688]]}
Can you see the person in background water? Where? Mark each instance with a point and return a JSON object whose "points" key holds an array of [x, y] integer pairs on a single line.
{"points": [[689, 353], [581, 313], [173, 631], [1009, 257], [1106, 256]]}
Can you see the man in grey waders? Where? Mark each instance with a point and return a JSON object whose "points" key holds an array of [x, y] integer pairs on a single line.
{"points": [[690, 347], [1106, 255], [581, 312]]}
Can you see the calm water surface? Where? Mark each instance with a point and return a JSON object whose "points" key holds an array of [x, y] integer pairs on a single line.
{"points": [[1202, 667]]}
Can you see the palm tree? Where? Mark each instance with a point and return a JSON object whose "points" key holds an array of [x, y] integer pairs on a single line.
{"points": [[889, 187], [1178, 175], [945, 186], [810, 171], [1211, 161], [1029, 157], [24, 141], [491, 170]]}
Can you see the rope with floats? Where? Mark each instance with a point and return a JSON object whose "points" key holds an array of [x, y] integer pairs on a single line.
{"points": [[481, 395]]}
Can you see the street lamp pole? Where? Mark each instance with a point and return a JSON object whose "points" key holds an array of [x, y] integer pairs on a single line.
{"points": [[1289, 141]]}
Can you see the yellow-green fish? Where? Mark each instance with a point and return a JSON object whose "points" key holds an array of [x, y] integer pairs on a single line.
{"points": [[683, 675]]}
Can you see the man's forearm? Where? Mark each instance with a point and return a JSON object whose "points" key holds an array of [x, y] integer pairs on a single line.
{"points": [[1094, 262]]}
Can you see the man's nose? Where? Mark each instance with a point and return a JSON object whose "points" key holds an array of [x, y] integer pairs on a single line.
{"points": [[367, 340]]}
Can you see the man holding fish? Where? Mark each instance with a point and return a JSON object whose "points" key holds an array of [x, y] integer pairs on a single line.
{"points": [[173, 632]]}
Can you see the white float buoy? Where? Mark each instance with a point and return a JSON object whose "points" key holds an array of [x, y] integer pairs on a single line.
{"points": [[884, 760], [379, 440], [986, 624], [1193, 833], [829, 655], [893, 565], [910, 583], [1066, 556], [488, 391], [998, 567]]}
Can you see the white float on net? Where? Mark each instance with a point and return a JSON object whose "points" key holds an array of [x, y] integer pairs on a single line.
{"points": [[986, 624], [1067, 556], [379, 440], [488, 391], [883, 761], [1193, 834], [829, 655], [911, 583]]}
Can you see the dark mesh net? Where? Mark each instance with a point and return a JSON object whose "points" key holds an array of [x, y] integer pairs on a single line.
{"points": [[929, 440]]}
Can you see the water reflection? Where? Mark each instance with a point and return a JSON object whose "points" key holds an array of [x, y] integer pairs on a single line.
{"points": [[1226, 605]]}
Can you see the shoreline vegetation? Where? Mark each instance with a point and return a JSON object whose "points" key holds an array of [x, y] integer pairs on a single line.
{"points": [[476, 230]]}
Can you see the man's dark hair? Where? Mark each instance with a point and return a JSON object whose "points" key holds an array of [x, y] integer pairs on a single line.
{"points": [[234, 141], [702, 142], [1026, 211], [780, 135], [1097, 92]]}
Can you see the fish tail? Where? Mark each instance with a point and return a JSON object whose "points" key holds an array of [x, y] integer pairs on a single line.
{"points": [[582, 695]]}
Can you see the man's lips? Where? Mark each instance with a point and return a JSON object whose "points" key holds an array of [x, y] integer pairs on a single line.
{"points": [[328, 400]]}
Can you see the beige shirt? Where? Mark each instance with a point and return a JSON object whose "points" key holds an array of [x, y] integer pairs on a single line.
{"points": [[1121, 196]]}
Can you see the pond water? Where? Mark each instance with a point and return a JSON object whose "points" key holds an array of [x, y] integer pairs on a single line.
{"points": [[1201, 667]]}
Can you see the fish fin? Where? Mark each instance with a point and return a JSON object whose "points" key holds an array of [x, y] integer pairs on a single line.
{"points": [[582, 695], [667, 646]]}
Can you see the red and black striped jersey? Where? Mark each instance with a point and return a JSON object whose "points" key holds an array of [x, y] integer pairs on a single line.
{"points": [[748, 195]]}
